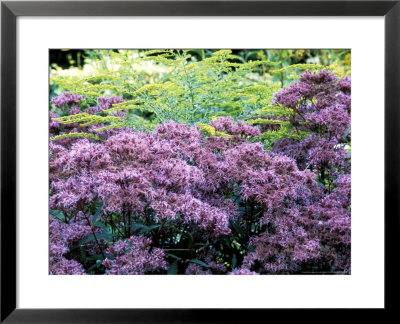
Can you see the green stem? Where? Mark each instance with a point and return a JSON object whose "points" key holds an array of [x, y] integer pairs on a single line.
{"points": [[95, 237]]}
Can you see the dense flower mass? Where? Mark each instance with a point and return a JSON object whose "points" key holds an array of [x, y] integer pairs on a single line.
{"points": [[107, 102], [134, 256], [61, 237], [179, 200], [322, 102], [66, 99]]}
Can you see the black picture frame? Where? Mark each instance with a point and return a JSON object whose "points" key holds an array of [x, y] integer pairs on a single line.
{"points": [[10, 10]]}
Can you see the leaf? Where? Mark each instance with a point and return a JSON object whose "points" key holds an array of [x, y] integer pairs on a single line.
{"points": [[176, 229], [190, 239], [227, 242], [58, 214], [105, 236], [239, 58], [136, 227], [142, 229], [321, 184], [249, 54], [95, 257], [346, 133], [100, 257], [237, 228], [234, 261], [200, 263], [96, 265], [173, 268], [97, 214], [150, 228], [102, 226], [172, 256]]}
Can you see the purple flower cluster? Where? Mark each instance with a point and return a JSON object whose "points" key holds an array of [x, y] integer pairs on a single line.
{"points": [[242, 271], [106, 102], [66, 99], [195, 269], [62, 236], [134, 256], [239, 128], [163, 173], [322, 102]]}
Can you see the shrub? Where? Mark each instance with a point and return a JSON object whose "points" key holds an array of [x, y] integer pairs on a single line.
{"points": [[199, 203]]}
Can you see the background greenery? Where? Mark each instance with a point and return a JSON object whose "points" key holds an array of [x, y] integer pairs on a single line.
{"points": [[190, 86]]}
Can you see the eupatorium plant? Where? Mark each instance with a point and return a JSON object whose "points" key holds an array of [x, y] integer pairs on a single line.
{"points": [[192, 198], [321, 104]]}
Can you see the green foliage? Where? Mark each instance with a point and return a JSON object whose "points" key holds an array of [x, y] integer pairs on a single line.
{"points": [[191, 86], [301, 67], [294, 61], [196, 91], [183, 88], [75, 135], [285, 130], [212, 131]]}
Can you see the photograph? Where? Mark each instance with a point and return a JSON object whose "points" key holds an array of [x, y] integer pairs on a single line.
{"points": [[148, 145], [199, 161]]}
